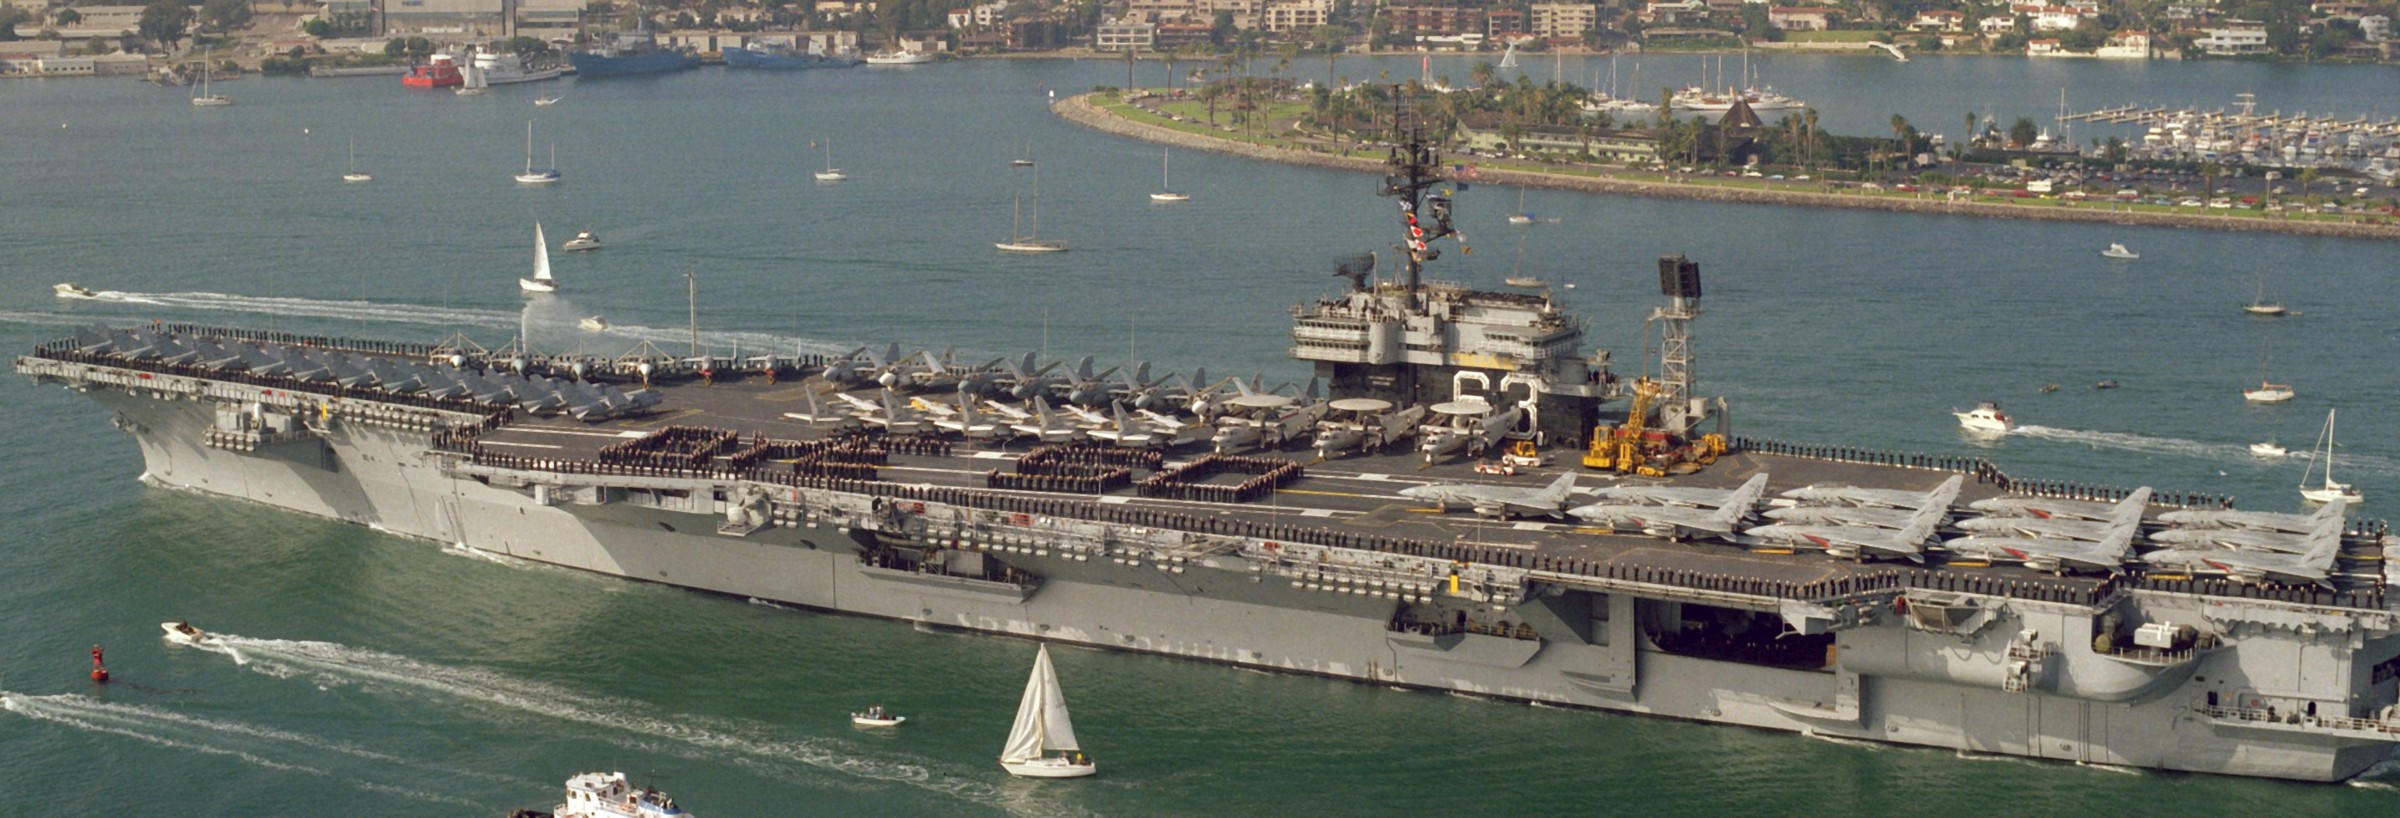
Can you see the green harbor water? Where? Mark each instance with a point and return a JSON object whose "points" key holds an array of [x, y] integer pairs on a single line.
{"points": [[367, 674]]}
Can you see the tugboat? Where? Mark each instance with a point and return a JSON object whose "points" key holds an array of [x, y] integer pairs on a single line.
{"points": [[608, 795], [440, 72]]}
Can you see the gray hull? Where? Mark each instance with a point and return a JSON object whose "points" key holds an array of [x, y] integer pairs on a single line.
{"points": [[2291, 691]]}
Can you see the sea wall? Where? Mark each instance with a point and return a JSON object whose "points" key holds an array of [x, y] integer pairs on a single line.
{"points": [[1080, 110]]}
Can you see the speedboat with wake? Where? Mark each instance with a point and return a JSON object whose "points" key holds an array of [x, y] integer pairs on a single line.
{"points": [[2268, 449], [69, 289], [593, 324], [182, 633], [1985, 417]]}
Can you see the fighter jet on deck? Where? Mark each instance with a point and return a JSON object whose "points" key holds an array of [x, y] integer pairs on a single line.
{"points": [[2312, 565], [1498, 501], [2107, 552], [1861, 542], [2253, 520], [1716, 516], [1830, 494]]}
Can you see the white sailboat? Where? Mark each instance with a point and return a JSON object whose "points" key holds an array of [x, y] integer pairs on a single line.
{"points": [[206, 99], [473, 81], [1166, 193], [541, 282], [1042, 729], [2259, 305], [830, 173], [1030, 241], [2267, 391], [2329, 490], [548, 175], [353, 175], [1522, 216]]}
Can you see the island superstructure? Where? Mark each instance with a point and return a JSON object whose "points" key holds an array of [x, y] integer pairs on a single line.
{"points": [[1134, 521]]}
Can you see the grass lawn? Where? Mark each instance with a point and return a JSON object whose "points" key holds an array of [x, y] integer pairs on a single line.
{"points": [[1831, 36]]}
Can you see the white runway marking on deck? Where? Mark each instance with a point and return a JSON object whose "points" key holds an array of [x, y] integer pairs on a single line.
{"points": [[992, 456], [521, 445], [1317, 512], [1115, 500], [546, 430], [1374, 477], [1532, 526]]}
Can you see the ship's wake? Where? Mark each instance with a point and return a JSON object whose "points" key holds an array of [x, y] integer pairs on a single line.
{"points": [[698, 737], [263, 747], [2179, 447]]}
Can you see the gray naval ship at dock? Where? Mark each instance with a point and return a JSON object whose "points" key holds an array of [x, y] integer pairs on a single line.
{"points": [[1478, 506]]}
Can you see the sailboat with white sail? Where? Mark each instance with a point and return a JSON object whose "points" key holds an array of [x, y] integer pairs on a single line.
{"points": [[541, 282], [1166, 193], [548, 175], [2329, 490], [1042, 742]]}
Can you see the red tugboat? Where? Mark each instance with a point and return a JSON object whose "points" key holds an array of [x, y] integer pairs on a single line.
{"points": [[441, 72]]}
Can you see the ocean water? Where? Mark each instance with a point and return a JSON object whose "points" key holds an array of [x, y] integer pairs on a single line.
{"points": [[374, 675]]}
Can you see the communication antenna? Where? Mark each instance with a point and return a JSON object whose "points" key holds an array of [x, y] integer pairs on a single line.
{"points": [[1679, 281]]}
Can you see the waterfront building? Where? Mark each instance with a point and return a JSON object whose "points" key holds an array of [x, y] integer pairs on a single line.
{"points": [[2232, 38], [2125, 45], [2045, 47], [1503, 24], [1671, 12], [1295, 15], [1125, 35], [1563, 20], [438, 18], [547, 18], [98, 21], [2375, 28], [1616, 145], [1420, 19], [1996, 25], [1802, 18], [1939, 20]]}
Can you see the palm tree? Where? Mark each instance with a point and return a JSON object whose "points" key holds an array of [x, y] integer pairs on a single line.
{"points": [[2208, 180], [2308, 183], [1810, 115], [1666, 105], [1970, 140], [1481, 74], [1900, 138]]}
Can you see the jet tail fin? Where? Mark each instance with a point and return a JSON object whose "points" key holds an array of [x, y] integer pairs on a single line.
{"points": [[2325, 543], [1560, 489]]}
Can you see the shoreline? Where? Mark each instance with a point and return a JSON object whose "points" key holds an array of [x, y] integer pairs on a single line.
{"points": [[1079, 109]]}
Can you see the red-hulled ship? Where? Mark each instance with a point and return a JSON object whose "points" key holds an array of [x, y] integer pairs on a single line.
{"points": [[442, 72]]}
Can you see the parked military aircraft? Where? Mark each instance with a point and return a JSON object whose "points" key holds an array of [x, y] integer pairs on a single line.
{"points": [[1498, 501]]}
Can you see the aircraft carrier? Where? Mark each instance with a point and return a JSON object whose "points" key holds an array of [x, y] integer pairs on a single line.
{"points": [[1234, 523]]}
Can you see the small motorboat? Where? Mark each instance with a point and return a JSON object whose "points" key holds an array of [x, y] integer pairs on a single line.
{"points": [[2048, 388], [2268, 393], [2268, 449], [548, 101], [182, 633], [593, 324], [876, 717], [1985, 417], [2106, 383], [69, 289], [583, 240], [2118, 251]]}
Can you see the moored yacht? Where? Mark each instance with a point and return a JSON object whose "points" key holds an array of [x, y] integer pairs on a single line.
{"points": [[583, 240], [2118, 251]]}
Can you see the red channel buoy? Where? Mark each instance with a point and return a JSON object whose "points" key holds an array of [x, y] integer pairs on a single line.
{"points": [[99, 671]]}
